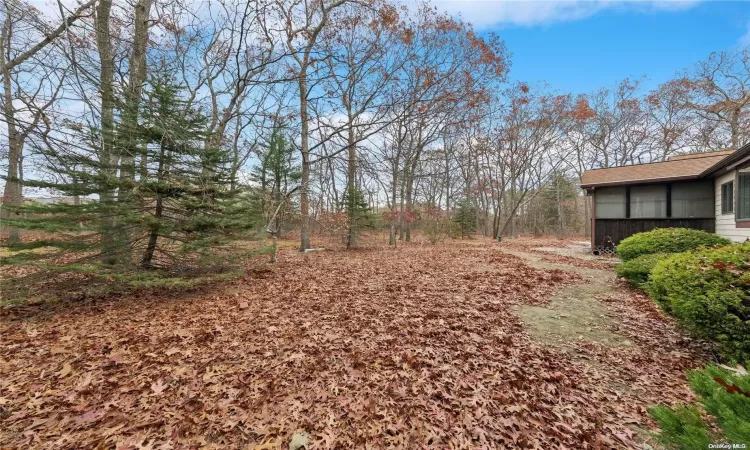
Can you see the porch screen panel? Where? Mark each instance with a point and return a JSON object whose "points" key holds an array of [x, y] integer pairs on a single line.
{"points": [[610, 203], [648, 202], [693, 200], [743, 194]]}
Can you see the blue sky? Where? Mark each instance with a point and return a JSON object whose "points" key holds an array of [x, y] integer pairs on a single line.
{"points": [[580, 45]]}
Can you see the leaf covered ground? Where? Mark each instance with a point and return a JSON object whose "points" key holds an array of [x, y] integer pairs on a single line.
{"points": [[417, 347]]}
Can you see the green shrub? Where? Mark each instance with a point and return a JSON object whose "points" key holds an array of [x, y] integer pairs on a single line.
{"points": [[683, 427], [708, 291], [637, 270], [731, 409], [666, 240]]}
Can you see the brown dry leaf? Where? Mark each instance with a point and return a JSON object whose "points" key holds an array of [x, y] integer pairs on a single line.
{"points": [[159, 387], [65, 371], [273, 443], [417, 347]]}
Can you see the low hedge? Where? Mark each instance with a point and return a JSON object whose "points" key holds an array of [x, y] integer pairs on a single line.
{"points": [[666, 240], [708, 291], [637, 270]]}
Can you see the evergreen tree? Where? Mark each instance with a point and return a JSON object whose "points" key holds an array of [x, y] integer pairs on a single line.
{"points": [[183, 188], [277, 173], [558, 204], [359, 214], [174, 212], [465, 218]]}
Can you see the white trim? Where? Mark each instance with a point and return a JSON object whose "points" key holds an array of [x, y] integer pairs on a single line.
{"points": [[725, 223]]}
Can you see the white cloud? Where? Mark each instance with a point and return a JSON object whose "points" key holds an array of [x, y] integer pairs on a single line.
{"points": [[745, 39], [486, 13]]}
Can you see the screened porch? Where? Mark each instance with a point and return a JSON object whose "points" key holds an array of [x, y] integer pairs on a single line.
{"points": [[621, 211]]}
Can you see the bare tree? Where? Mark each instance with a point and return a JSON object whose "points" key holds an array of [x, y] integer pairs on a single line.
{"points": [[718, 91], [48, 35], [303, 24], [31, 83]]}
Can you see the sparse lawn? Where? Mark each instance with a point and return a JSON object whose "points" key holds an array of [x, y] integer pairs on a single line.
{"points": [[419, 347]]}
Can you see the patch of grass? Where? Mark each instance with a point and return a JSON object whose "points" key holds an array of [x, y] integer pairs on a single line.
{"points": [[682, 427], [722, 394], [34, 289], [572, 313], [145, 280], [6, 252]]}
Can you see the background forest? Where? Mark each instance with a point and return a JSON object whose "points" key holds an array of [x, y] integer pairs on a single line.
{"points": [[167, 129]]}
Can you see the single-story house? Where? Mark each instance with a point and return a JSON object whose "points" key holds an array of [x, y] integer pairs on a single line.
{"points": [[705, 191]]}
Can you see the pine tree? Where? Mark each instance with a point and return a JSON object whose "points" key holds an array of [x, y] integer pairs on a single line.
{"points": [[175, 212], [359, 214], [277, 173], [558, 203], [185, 187], [465, 218]]}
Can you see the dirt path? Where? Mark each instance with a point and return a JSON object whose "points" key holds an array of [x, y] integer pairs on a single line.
{"points": [[585, 315], [576, 312], [419, 347]]}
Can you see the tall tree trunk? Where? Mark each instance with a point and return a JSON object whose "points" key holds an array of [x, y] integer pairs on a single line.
{"points": [[560, 211], [409, 205], [137, 76], [394, 195], [351, 170], [107, 159], [410, 185], [12, 194], [402, 207], [305, 150]]}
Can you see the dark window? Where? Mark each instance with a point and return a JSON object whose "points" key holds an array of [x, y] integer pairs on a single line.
{"points": [[727, 197], [743, 194], [610, 203], [648, 202], [695, 199]]}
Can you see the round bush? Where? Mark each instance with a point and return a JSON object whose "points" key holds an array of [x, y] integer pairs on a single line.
{"points": [[708, 291], [666, 240], [637, 270]]}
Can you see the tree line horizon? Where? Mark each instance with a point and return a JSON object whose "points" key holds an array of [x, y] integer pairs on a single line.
{"points": [[187, 121]]}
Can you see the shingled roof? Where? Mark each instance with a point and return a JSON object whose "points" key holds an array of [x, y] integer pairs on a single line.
{"points": [[683, 167]]}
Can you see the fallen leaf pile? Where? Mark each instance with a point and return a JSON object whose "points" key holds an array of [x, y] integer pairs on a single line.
{"points": [[411, 348], [652, 367]]}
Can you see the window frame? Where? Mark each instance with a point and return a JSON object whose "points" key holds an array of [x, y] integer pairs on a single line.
{"points": [[745, 222], [730, 202]]}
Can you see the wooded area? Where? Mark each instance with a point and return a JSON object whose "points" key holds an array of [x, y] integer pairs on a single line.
{"points": [[169, 127], [272, 224]]}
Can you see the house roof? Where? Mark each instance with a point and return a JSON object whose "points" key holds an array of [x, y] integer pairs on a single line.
{"points": [[701, 155], [683, 167], [740, 157]]}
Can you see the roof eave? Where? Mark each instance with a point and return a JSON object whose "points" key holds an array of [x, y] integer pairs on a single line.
{"points": [[741, 153], [641, 181]]}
